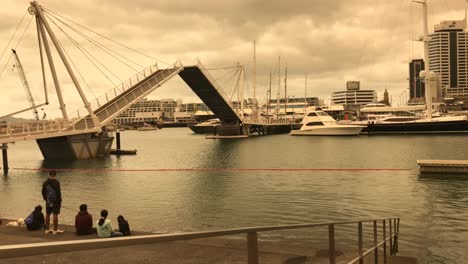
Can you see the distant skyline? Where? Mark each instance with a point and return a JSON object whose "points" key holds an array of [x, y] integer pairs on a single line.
{"points": [[330, 41]]}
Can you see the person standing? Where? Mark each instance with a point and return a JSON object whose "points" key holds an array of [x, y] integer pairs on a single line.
{"points": [[84, 221], [52, 195]]}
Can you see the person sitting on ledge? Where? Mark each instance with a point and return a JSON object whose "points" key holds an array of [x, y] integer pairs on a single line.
{"points": [[35, 220], [104, 228], [84, 222], [124, 228]]}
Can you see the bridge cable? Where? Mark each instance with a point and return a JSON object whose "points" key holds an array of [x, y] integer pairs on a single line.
{"points": [[85, 37], [116, 42], [223, 68], [87, 54], [71, 61], [16, 46], [101, 46]]}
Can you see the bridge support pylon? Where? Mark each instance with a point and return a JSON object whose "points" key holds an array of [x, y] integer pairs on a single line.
{"points": [[76, 147], [5, 158]]}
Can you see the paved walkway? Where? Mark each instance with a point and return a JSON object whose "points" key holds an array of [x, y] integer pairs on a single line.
{"points": [[212, 250]]}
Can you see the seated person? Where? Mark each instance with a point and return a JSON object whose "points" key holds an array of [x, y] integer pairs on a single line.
{"points": [[35, 220], [104, 228], [84, 221], [124, 228]]}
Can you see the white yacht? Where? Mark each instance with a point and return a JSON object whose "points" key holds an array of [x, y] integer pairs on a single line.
{"points": [[319, 123], [206, 127]]}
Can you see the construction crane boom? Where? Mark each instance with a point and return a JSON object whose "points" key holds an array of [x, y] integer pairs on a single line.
{"points": [[24, 81]]}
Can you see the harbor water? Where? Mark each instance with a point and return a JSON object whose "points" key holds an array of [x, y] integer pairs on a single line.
{"points": [[433, 210]]}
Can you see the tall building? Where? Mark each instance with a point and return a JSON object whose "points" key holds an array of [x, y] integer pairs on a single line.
{"points": [[448, 56], [417, 88]]}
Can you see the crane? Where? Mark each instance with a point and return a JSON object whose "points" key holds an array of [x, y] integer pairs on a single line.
{"points": [[19, 68]]}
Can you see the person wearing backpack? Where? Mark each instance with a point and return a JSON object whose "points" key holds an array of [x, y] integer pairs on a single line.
{"points": [[52, 195], [35, 220]]}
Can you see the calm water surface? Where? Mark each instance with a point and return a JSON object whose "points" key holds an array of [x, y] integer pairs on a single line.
{"points": [[433, 211]]}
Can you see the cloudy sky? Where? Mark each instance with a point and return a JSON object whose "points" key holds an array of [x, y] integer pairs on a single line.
{"points": [[331, 41]]}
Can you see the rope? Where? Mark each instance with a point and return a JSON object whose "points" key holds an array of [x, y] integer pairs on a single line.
{"points": [[107, 38], [213, 169]]}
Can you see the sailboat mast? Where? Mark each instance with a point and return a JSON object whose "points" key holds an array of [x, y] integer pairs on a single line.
{"points": [[268, 97], [286, 89], [254, 72], [279, 86], [427, 68], [305, 94]]}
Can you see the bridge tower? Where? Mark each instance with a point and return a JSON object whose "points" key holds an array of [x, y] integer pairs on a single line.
{"points": [[70, 147]]}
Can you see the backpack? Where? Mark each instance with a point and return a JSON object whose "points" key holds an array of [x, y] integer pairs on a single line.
{"points": [[51, 194], [30, 219]]}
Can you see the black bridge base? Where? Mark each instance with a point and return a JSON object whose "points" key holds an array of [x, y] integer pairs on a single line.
{"points": [[76, 147]]}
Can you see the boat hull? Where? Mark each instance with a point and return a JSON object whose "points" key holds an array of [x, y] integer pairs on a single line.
{"points": [[202, 129], [428, 127], [329, 131], [147, 128]]}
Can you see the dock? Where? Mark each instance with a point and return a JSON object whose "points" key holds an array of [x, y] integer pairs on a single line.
{"points": [[443, 166], [123, 152]]}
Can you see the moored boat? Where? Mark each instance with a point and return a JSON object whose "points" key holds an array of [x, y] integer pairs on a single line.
{"points": [[319, 123], [207, 127]]}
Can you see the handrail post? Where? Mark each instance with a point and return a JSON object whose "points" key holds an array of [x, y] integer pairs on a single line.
{"points": [[391, 237], [385, 242], [395, 237], [252, 248], [397, 227], [331, 243], [376, 250], [360, 243]]}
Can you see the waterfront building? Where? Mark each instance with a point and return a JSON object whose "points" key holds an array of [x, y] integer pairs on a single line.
{"points": [[448, 56], [417, 87], [292, 104], [353, 95], [164, 110]]}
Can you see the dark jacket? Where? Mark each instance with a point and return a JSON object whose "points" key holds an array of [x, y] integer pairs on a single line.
{"points": [[38, 221], [55, 184], [124, 228], [84, 223]]}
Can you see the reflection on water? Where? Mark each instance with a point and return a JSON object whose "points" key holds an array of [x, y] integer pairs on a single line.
{"points": [[433, 210]]}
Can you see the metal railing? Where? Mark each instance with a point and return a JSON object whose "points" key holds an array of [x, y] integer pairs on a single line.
{"points": [[114, 92], [42, 128], [390, 235], [117, 105], [268, 121]]}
